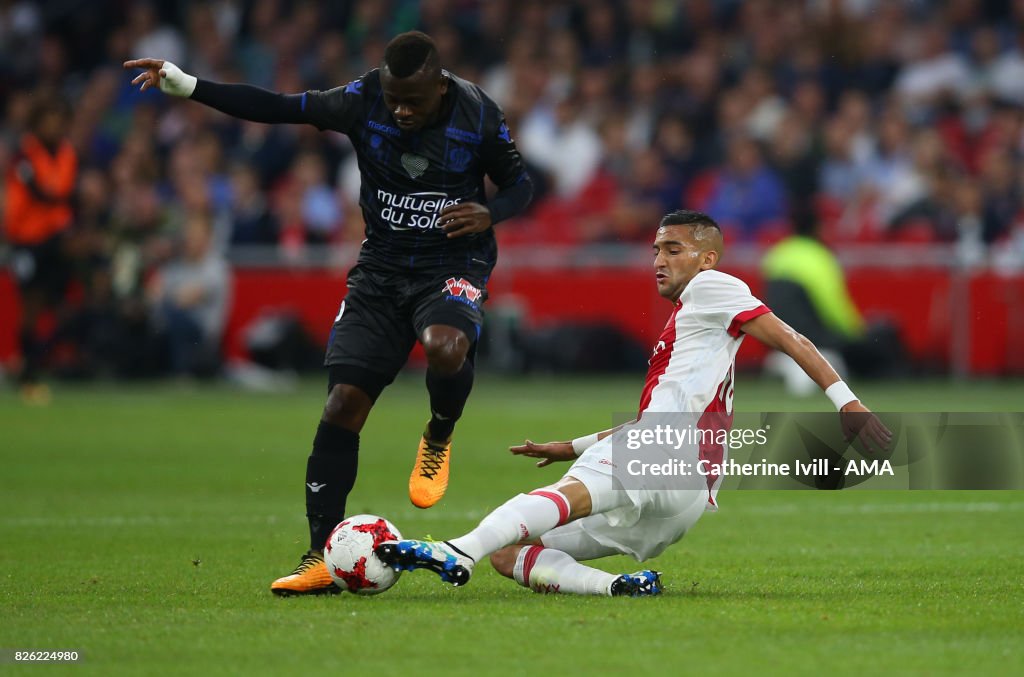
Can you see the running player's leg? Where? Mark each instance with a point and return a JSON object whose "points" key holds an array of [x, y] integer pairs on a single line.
{"points": [[447, 318], [369, 343], [449, 377]]}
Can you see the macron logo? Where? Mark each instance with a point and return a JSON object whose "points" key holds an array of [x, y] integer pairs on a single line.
{"points": [[315, 487]]}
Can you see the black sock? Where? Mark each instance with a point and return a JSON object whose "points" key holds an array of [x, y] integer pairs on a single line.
{"points": [[448, 395], [32, 353], [330, 475]]}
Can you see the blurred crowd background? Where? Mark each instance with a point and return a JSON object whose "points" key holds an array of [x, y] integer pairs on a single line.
{"points": [[863, 121]]}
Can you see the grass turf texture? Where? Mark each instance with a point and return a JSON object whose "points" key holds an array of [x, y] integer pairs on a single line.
{"points": [[142, 526]]}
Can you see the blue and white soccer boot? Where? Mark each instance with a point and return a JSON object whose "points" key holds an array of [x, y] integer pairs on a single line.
{"points": [[641, 584], [441, 557]]}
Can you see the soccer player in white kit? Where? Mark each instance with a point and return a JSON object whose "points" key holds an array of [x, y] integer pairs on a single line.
{"points": [[540, 538]]}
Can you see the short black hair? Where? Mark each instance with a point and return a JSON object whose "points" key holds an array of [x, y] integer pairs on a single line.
{"points": [[688, 217], [410, 52]]}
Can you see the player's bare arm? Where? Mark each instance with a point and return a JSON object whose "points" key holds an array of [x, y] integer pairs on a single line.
{"points": [[548, 452], [857, 420], [777, 335], [552, 452]]}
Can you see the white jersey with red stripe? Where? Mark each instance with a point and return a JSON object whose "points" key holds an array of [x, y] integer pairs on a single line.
{"points": [[693, 367], [693, 361], [691, 372]]}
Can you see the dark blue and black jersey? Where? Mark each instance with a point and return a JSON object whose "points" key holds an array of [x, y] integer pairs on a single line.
{"points": [[407, 177]]}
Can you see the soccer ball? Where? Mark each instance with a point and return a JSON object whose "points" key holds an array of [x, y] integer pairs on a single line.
{"points": [[349, 556]]}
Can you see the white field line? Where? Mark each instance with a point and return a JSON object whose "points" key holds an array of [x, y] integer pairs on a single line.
{"points": [[113, 521], [878, 508]]}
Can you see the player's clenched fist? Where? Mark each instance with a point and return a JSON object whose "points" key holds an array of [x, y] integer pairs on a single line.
{"points": [[465, 218]]}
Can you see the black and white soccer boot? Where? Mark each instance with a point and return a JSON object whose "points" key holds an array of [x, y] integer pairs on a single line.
{"points": [[641, 584]]}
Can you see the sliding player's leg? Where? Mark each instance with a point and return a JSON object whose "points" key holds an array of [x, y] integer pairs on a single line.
{"points": [[604, 519], [519, 519], [657, 519], [548, 570], [551, 563]]}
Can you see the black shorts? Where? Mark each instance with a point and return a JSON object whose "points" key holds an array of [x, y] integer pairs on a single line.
{"points": [[385, 312], [42, 269]]}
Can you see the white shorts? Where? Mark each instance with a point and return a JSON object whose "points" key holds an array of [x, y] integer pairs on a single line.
{"points": [[636, 522]]}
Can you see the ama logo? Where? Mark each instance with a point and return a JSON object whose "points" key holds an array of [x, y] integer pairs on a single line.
{"points": [[354, 87], [461, 288]]}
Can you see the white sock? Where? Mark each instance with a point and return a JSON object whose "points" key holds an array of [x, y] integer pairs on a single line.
{"points": [[518, 519], [545, 570]]}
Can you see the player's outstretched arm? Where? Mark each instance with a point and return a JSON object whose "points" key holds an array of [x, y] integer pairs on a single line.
{"points": [[241, 101], [857, 420], [162, 74], [777, 335], [550, 452]]}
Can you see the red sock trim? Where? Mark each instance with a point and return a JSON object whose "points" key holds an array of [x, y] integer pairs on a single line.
{"points": [[532, 552], [560, 501]]}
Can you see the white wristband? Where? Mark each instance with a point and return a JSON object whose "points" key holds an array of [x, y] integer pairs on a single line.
{"points": [[580, 444], [840, 394], [177, 82]]}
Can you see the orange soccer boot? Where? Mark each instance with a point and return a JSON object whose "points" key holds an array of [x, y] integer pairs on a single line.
{"points": [[429, 478], [309, 578]]}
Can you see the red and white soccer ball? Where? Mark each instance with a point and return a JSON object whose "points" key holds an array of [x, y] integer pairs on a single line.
{"points": [[349, 554]]}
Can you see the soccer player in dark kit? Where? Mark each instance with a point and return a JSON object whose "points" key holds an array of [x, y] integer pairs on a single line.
{"points": [[425, 139]]}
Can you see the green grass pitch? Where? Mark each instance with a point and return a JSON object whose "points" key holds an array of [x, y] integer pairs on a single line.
{"points": [[141, 525]]}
